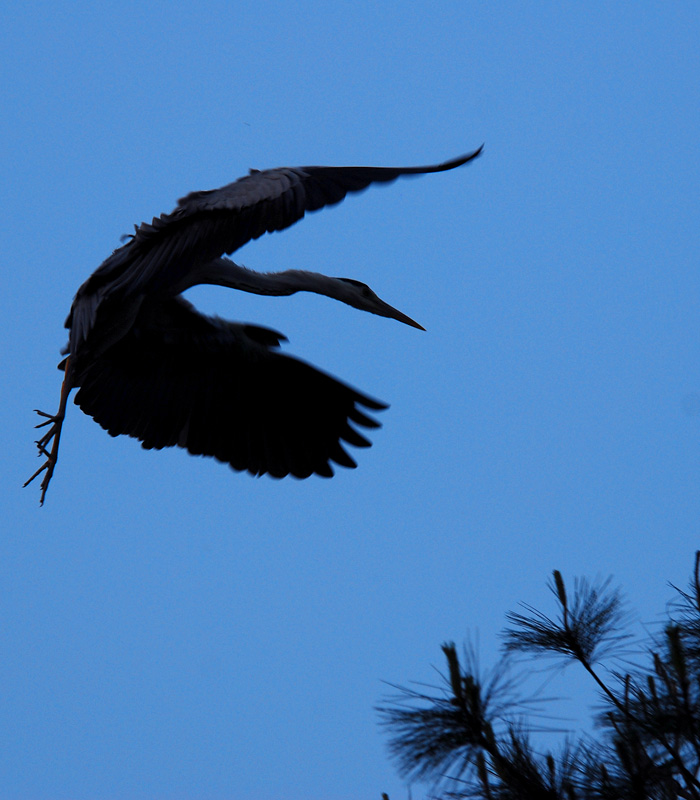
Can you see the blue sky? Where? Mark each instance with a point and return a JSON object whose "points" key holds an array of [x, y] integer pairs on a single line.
{"points": [[171, 629]]}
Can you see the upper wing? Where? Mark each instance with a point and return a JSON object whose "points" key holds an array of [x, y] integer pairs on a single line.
{"points": [[205, 225], [216, 388]]}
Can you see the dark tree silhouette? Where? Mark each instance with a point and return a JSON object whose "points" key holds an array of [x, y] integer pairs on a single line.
{"points": [[473, 738]]}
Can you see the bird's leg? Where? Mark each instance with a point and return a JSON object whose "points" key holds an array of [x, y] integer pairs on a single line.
{"points": [[53, 433]]}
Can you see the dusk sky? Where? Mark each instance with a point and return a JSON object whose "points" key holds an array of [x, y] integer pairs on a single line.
{"points": [[172, 629]]}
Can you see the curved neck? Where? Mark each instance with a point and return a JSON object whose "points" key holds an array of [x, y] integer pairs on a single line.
{"points": [[224, 272]]}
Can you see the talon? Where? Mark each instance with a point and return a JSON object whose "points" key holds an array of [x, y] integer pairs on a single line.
{"points": [[53, 436], [38, 472], [46, 438]]}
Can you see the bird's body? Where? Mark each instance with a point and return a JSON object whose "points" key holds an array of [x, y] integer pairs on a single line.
{"points": [[148, 365]]}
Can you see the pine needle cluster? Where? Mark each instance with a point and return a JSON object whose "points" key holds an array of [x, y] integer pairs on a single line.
{"points": [[473, 738]]}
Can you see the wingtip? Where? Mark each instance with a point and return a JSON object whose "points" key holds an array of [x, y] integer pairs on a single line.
{"points": [[457, 162], [454, 162]]}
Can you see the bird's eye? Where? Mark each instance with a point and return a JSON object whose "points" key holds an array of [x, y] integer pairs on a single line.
{"points": [[365, 291]]}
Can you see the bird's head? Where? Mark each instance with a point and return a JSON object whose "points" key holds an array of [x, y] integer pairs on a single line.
{"points": [[358, 294]]}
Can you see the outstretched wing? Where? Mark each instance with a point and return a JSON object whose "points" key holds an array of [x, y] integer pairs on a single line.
{"points": [[205, 225], [218, 389]]}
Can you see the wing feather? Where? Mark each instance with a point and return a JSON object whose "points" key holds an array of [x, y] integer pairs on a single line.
{"points": [[219, 389], [206, 225]]}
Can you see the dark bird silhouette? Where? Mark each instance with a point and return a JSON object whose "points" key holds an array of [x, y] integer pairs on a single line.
{"points": [[149, 365]]}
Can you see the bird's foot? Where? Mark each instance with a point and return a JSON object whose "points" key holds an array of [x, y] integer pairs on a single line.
{"points": [[53, 433]]}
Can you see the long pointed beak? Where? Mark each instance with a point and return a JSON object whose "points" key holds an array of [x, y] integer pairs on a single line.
{"points": [[385, 310]]}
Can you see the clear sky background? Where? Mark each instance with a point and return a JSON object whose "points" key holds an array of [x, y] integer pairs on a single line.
{"points": [[172, 629]]}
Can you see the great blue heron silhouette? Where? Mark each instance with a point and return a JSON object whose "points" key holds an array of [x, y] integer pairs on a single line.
{"points": [[149, 365]]}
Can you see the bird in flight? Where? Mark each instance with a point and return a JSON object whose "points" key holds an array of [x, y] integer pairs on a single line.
{"points": [[147, 364]]}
